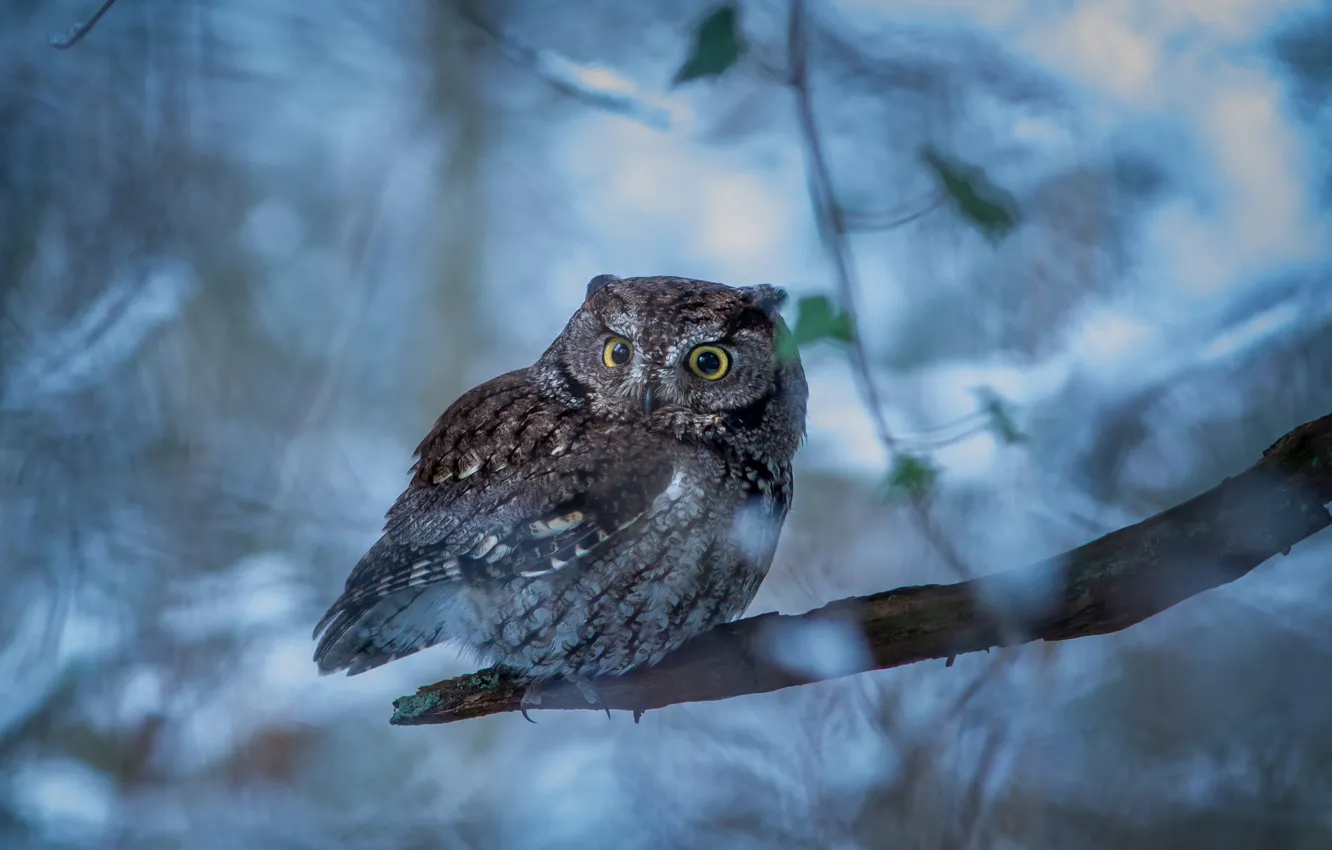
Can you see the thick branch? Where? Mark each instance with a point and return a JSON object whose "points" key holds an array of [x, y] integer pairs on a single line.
{"points": [[1105, 586]]}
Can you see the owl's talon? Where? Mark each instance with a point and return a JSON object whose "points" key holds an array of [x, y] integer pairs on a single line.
{"points": [[531, 699], [589, 692]]}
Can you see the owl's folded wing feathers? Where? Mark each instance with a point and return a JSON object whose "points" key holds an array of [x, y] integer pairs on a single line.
{"points": [[501, 520]]}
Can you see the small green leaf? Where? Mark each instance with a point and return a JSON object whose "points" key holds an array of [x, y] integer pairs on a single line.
{"points": [[819, 318], [911, 478], [999, 419], [787, 348], [717, 46], [989, 208]]}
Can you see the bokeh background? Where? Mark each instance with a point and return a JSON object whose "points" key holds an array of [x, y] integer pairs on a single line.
{"points": [[249, 251]]}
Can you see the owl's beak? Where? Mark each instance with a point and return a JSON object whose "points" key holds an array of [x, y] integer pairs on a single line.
{"points": [[649, 397]]}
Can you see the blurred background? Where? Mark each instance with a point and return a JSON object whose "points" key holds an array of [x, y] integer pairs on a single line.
{"points": [[250, 250]]}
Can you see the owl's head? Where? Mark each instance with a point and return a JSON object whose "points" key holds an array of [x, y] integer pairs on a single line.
{"points": [[679, 352]]}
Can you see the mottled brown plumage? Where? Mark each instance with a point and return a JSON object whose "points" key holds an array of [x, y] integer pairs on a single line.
{"points": [[591, 512]]}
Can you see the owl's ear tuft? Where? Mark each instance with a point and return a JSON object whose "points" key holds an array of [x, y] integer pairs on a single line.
{"points": [[599, 283], [767, 298]]}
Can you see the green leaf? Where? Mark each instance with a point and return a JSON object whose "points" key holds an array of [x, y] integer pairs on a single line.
{"points": [[817, 318], [911, 478], [787, 348], [820, 319], [989, 208], [999, 419], [717, 46]]}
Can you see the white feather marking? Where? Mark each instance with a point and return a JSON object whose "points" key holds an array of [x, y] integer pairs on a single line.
{"points": [[471, 463], [556, 564], [485, 545], [755, 528], [551, 527], [498, 552], [425, 569], [676, 488]]}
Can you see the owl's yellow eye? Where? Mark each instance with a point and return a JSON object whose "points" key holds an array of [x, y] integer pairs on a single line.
{"points": [[617, 351], [709, 361]]}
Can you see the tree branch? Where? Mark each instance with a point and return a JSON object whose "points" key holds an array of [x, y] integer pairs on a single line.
{"points": [[1105, 586], [75, 34]]}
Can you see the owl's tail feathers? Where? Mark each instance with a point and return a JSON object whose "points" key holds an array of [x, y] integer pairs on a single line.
{"points": [[366, 634]]}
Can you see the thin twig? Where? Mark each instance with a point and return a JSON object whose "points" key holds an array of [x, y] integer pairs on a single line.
{"points": [[75, 34], [830, 217], [572, 78], [895, 219], [833, 228]]}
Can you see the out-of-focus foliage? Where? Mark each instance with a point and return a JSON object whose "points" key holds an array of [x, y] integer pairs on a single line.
{"points": [[1303, 48], [817, 318], [989, 208], [911, 478], [717, 45], [249, 251], [998, 416]]}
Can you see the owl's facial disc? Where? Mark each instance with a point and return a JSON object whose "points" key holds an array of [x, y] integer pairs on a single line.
{"points": [[703, 371], [665, 347]]}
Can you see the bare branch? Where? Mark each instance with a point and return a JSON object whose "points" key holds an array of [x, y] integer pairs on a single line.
{"points": [[598, 87], [895, 219], [75, 34], [829, 215], [1104, 586]]}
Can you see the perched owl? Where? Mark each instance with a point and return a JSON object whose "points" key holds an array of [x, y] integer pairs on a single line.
{"points": [[588, 514]]}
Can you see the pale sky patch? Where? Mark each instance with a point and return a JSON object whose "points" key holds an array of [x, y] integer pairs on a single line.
{"points": [[643, 168], [1262, 163], [1107, 339], [1190, 253], [1222, 19], [742, 217], [1096, 46], [1262, 217], [991, 14]]}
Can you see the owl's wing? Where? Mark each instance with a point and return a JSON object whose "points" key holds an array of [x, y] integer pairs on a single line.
{"points": [[496, 522], [518, 528]]}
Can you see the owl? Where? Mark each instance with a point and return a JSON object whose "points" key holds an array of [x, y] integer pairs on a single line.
{"points": [[587, 514]]}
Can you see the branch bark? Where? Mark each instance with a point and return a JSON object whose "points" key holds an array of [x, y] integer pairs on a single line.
{"points": [[1107, 585]]}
